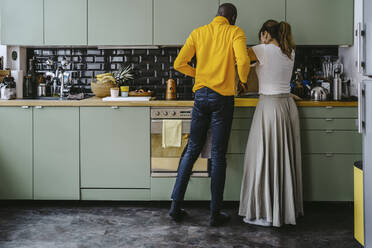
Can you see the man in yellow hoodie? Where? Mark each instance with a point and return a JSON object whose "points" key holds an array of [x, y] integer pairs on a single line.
{"points": [[219, 47]]}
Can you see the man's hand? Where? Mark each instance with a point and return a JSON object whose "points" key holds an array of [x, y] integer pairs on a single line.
{"points": [[242, 89]]}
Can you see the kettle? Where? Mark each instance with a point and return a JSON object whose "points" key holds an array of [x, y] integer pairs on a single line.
{"points": [[318, 94]]}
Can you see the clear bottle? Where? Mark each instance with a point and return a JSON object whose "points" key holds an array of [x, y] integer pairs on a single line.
{"points": [[29, 86]]}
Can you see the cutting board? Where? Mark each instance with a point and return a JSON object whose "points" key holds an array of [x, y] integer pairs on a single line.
{"points": [[126, 99]]}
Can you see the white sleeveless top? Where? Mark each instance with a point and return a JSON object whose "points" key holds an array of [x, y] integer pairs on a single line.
{"points": [[274, 70]]}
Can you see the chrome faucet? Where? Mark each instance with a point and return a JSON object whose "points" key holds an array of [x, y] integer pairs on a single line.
{"points": [[59, 75]]}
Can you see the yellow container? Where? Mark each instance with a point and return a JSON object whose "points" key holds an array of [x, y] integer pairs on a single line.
{"points": [[358, 204], [124, 88]]}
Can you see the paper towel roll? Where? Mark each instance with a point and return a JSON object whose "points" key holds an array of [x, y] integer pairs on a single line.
{"points": [[18, 78]]}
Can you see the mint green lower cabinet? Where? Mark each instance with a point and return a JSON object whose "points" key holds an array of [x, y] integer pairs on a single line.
{"points": [[115, 194], [115, 147], [329, 124], [234, 174], [198, 189], [238, 141], [15, 153], [328, 141], [241, 124], [328, 112], [328, 177], [243, 112], [56, 153]]}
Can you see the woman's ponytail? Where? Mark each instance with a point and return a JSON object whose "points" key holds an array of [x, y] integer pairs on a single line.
{"points": [[286, 42]]}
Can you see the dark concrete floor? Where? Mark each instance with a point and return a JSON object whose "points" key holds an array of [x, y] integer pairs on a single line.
{"points": [[97, 224]]}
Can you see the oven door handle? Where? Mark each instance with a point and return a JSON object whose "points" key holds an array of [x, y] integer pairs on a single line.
{"points": [[157, 126]]}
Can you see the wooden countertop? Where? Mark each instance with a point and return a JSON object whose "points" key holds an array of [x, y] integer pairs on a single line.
{"points": [[97, 102]]}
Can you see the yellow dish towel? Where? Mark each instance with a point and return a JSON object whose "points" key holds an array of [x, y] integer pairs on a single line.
{"points": [[172, 132]]}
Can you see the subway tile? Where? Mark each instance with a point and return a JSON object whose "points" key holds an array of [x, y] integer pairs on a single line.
{"points": [[92, 66]]}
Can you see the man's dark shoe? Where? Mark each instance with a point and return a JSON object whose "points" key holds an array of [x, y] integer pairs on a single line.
{"points": [[176, 212], [219, 219], [178, 215]]}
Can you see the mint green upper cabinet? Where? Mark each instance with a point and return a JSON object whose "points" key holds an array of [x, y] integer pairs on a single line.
{"points": [[115, 147], [56, 153], [120, 22], [15, 153], [321, 22], [22, 22], [65, 22], [253, 13], [175, 19]]}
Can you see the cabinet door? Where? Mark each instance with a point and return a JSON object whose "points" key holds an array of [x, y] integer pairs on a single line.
{"points": [[321, 22], [22, 22], [120, 22], [253, 13], [234, 175], [65, 22], [175, 19], [15, 153], [115, 147], [328, 177], [56, 153]]}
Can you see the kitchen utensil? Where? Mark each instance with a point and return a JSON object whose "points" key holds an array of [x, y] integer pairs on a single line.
{"points": [[337, 86], [327, 67], [18, 78], [337, 67], [171, 90], [41, 90], [346, 89], [8, 89], [318, 94]]}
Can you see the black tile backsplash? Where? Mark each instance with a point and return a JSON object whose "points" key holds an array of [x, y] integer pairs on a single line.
{"points": [[152, 67]]}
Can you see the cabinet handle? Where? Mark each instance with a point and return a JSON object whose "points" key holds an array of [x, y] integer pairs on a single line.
{"points": [[329, 131], [114, 107], [25, 107], [329, 107], [329, 119], [39, 107], [329, 155]]}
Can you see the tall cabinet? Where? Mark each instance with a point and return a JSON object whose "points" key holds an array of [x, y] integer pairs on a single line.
{"points": [[16, 153], [174, 20]]}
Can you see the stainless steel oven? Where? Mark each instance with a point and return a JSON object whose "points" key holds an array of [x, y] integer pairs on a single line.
{"points": [[165, 161]]}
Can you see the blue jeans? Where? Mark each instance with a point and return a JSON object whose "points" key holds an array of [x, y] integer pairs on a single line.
{"points": [[215, 111]]}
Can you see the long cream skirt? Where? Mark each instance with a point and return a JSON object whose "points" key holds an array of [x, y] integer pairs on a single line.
{"points": [[271, 193]]}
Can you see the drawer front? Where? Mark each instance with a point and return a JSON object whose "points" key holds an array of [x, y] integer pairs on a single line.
{"points": [[328, 178], [331, 142], [238, 141], [244, 112], [198, 189], [115, 194], [328, 112], [241, 124], [328, 124]]}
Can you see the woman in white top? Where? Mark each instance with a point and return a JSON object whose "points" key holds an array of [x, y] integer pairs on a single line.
{"points": [[271, 193]]}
